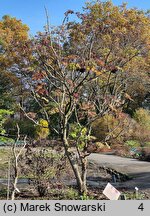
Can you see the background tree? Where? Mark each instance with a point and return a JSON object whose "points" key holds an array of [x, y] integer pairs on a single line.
{"points": [[13, 35], [119, 39], [3, 117]]}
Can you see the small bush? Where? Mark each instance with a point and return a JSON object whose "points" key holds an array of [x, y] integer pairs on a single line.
{"points": [[44, 168], [142, 116], [42, 130], [116, 129], [132, 143], [101, 126]]}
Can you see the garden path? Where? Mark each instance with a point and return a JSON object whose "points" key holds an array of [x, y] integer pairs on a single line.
{"points": [[139, 170]]}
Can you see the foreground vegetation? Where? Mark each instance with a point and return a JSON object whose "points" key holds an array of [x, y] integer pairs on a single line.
{"points": [[49, 180]]}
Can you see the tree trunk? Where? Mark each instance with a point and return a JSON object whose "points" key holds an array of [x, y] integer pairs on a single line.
{"points": [[80, 178], [84, 175]]}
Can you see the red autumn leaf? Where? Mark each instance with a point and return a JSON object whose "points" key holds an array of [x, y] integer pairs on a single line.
{"points": [[69, 12], [76, 95], [38, 76]]}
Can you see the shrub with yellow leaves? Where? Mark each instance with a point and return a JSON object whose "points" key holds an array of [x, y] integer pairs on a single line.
{"points": [[42, 130]]}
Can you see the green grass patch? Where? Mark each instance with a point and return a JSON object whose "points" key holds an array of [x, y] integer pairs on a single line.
{"points": [[5, 154]]}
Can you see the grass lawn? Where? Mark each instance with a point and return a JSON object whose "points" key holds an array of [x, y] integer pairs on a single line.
{"points": [[5, 153]]}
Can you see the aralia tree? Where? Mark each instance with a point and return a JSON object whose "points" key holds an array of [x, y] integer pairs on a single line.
{"points": [[78, 73]]}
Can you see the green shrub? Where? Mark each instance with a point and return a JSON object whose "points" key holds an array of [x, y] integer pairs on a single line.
{"points": [[26, 127], [142, 116], [3, 117], [102, 126], [147, 144], [115, 129], [132, 143]]}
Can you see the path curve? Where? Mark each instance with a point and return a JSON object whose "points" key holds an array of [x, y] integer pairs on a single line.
{"points": [[139, 170]]}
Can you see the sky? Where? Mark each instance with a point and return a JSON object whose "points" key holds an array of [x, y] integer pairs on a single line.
{"points": [[32, 12]]}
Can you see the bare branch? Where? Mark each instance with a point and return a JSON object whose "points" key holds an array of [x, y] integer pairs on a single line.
{"points": [[16, 156]]}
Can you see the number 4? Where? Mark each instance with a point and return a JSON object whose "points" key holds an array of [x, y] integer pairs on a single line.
{"points": [[141, 207]]}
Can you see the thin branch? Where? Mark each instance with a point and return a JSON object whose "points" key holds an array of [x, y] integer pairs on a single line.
{"points": [[28, 115], [16, 157], [47, 21]]}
